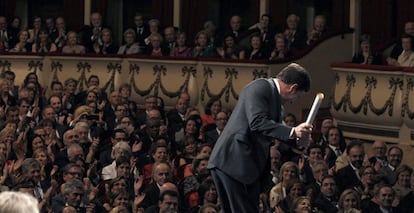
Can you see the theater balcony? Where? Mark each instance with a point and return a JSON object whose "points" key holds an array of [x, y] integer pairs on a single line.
{"points": [[202, 78], [374, 102]]}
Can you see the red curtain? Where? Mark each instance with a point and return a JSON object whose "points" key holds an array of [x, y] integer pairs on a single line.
{"points": [[72, 7], [194, 13], [377, 20], [99, 6], [163, 10], [7, 8], [340, 15]]}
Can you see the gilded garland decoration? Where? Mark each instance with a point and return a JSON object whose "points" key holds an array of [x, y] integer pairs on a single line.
{"points": [[226, 90], [159, 72], [405, 106], [259, 74], [113, 69], [35, 65], [83, 67], [366, 102], [56, 67], [5, 65]]}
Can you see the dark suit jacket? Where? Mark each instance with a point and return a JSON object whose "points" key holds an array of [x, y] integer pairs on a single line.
{"points": [[211, 137], [347, 178], [299, 41], [175, 122], [242, 150], [152, 193], [324, 205]]}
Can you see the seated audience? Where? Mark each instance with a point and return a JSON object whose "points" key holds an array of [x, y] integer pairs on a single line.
{"points": [[406, 58], [130, 47], [72, 46], [281, 50], [296, 37], [319, 28], [229, 49], [155, 48], [181, 49], [366, 55], [202, 46], [43, 44], [255, 51], [22, 45]]}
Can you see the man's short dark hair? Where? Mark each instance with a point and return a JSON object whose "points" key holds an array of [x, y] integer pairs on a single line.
{"points": [[8, 72], [55, 83], [353, 144], [295, 74], [168, 192]]}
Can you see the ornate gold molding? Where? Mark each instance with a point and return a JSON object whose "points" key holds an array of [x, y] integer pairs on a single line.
{"points": [[231, 73], [5, 65], [56, 67], [83, 67], [35, 65], [405, 104], [259, 74], [366, 102], [159, 72], [113, 68]]}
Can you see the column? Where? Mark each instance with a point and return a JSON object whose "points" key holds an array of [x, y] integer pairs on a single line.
{"points": [[177, 13], [355, 23], [264, 7], [87, 12]]}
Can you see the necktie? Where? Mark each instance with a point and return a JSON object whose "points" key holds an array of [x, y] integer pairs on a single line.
{"points": [[338, 152]]}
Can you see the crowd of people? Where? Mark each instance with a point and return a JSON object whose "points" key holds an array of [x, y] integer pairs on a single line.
{"points": [[96, 152], [401, 53], [90, 151], [149, 38]]}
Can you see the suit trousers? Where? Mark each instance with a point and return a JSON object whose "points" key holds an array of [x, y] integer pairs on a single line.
{"points": [[235, 196]]}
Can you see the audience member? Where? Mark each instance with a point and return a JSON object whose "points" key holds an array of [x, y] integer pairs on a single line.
{"points": [[319, 28], [366, 54], [72, 46], [130, 47], [397, 49], [406, 58], [141, 29], [43, 43], [92, 34], [181, 49], [202, 47], [26, 203], [296, 37], [22, 45]]}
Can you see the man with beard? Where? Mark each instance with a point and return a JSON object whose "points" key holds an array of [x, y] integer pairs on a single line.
{"points": [[349, 175], [395, 155]]}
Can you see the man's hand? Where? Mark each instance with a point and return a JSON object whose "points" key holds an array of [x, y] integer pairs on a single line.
{"points": [[303, 134]]}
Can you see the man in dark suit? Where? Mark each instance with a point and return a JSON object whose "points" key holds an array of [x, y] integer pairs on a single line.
{"points": [[327, 199], [241, 153], [348, 176], [211, 136]]}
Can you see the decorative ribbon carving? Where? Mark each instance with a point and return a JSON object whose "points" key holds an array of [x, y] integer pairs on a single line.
{"points": [[82, 68], [56, 67], [226, 90], [113, 69], [259, 74], [366, 102], [35, 65], [5, 65], [159, 72], [405, 107]]}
